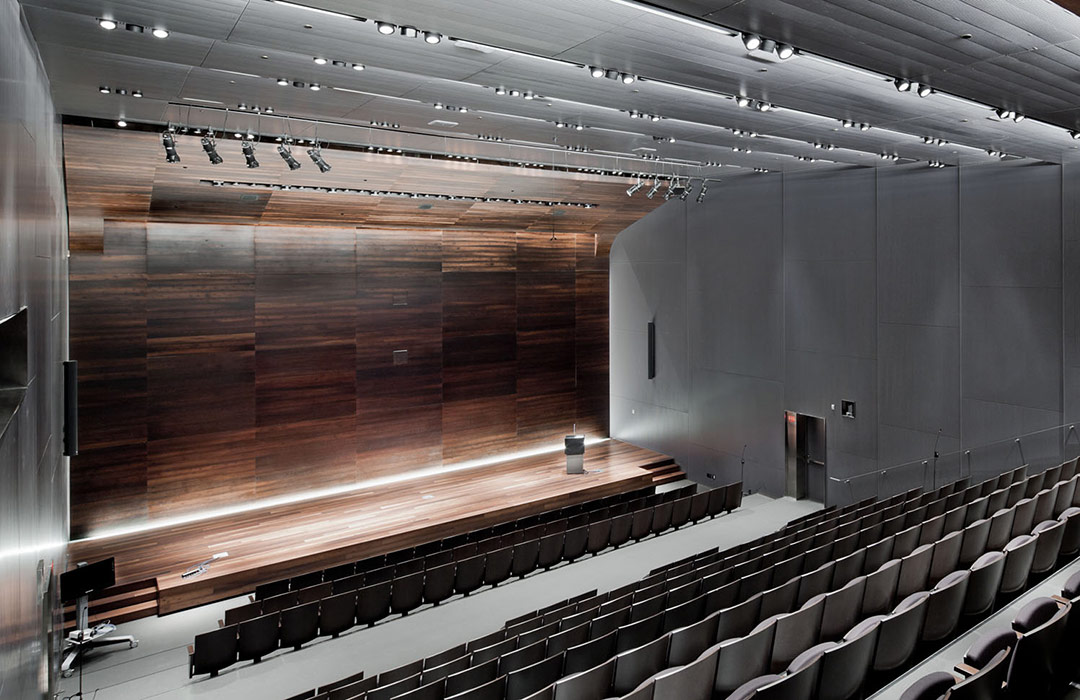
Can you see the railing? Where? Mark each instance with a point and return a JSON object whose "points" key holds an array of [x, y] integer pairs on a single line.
{"points": [[1039, 450]]}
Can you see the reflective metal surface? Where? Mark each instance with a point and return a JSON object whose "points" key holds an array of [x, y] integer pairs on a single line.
{"points": [[33, 474]]}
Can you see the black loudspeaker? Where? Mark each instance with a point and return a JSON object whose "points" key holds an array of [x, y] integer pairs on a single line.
{"points": [[652, 349], [71, 408]]}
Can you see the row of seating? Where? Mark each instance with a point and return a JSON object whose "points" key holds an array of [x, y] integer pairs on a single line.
{"points": [[926, 555], [294, 618], [683, 603], [1035, 658]]}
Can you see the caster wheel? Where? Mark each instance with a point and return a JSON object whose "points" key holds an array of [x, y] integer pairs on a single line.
{"points": [[135, 644]]}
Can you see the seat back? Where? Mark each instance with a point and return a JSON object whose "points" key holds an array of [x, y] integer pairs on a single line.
{"points": [[214, 651]]}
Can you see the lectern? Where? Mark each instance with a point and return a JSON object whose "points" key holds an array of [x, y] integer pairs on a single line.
{"points": [[575, 454]]}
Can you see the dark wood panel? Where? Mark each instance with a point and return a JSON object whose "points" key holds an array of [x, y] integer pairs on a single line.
{"points": [[108, 488], [193, 249], [479, 302], [475, 251], [285, 250], [479, 428], [537, 251], [544, 419], [303, 455], [477, 366], [294, 385], [382, 251], [200, 313], [198, 394], [304, 310], [392, 438], [200, 471], [591, 352]]}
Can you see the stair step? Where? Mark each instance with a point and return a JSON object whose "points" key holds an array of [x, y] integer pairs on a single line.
{"points": [[114, 602]]}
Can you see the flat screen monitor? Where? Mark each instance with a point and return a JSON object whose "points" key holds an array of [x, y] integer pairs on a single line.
{"points": [[86, 579]]}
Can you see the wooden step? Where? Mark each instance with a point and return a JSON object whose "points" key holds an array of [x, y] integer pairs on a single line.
{"points": [[129, 601], [116, 616]]}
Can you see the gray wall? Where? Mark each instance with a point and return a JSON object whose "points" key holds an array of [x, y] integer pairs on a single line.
{"points": [[934, 299], [33, 474]]}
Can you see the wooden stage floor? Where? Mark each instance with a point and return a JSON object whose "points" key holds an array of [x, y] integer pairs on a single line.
{"points": [[273, 543]]}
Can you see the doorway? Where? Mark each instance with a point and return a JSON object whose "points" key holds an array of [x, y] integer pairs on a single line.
{"points": [[805, 463]]}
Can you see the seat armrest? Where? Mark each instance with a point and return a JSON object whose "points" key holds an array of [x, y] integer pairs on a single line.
{"points": [[1064, 602], [191, 661], [965, 670]]}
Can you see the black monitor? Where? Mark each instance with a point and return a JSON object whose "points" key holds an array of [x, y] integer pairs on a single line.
{"points": [[86, 579]]}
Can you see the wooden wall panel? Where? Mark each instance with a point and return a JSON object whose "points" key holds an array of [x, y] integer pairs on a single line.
{"points": [[246, 362]]}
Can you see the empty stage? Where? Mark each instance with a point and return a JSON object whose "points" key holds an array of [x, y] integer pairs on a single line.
{"points": [[277, 542]]}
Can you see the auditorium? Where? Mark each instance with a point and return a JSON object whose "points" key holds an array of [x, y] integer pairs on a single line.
{"points": [[540, 350]]}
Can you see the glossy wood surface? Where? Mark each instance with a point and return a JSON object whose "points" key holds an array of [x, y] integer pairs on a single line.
{"points": [[272, 543]]}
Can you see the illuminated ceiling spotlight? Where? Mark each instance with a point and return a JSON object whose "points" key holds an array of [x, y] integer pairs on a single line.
{"points": [[317, 158], [104, 90], [106, 23], [847, 123], [249, 153], [889, 156], [761, 170], [933, 141], [634, 188], [169, 144], [664, 139], [210, 146], [385, 28], [432, 37], [319, 60], [995, 153], [742, 100], [672, 183], [704, 190], [529, 95], [924, 91], [627, 78], [1018, 117], [358, 66], [596, 71], [687, 189], [500, 90], [762, 106], [160, 33], [655, 188], [287, 156], [282, 81], [784, 51], [740, 149], [1004, 114], [936, 164], [864, 127], [752, 42], [1075, 135], [315, 86], [902, 84], [806, 159], [136, 93]]}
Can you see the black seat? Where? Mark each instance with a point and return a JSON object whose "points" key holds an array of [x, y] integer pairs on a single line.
{"points": [[680, 511], [303, 581], [497, 565], [641, 525], [439, 583], [551, 549], [593, 683], [407, 592], [584, 656], [269, 590], [599, 536], [470, 678], [523, 656], [315, 592], [213, 651], [299, 624], [662, 517], [257, 637], [279, 602], [699, 506], [690, 682], [373, 603], [470, 574], [393, 690], [349, 583], [401, 672], [640, 632], [621, 526], [337, 613], [635, 665], [525, 558], [575, 542], [524, 682], [441, 671], [717, 501]]}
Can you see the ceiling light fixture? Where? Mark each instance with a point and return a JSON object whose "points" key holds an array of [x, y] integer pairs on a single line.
{"points": [[104, 90], [634, 188], [704, 189], [210, 146], [249, 153], [409, 32], [924, 91], [596, 71], [752, 42], [687, 188], [358, 66], [121, 123], [161, 33], [106, 23], [902, 84], [169, 144], [282, 81], [287, 156], [627, 78], [385, 28], [320, 60], [784, 51], [655, 188], [432, 37], [317, 158], [315, 86], [136, 93]]}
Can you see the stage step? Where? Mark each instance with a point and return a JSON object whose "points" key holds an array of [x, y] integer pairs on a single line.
{"points": [[665, 472], [123, 603]]}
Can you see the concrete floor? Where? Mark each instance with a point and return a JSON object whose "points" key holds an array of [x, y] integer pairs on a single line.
{"points": [[157, 668]]}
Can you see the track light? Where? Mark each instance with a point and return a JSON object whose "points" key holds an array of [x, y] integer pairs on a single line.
{"points": [[529, 95], [924, 91], [500, 90], [670, 189], [902, 84], [282, 81], [287, 156], [784, 51], [654, 190], [136, 93], [742, 100], [385, 28], [319, 60], [161, 33], [248, 149], [634, 188], [752, 42], [864, 127], [315, 86], [627, 78], [432, 37], [1075, 135], [596, 71], [686, 190], [105, 23], [211, 150], [316, 157], [358, 66], [701, 194], [169, 144], [1018, 118]]}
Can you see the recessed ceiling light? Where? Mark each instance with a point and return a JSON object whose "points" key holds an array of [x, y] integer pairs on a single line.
{"points": [[596, 71], [121, 123], [627, 78], [164, 33], [104, 90], [432, 37], [315, 86], [924, 91], [320, 60], [752, 42], [136, 93], [105, 23], [358, 66], [282, 81], [500, 90], [385, 28], [742, 100], [902, 84]]}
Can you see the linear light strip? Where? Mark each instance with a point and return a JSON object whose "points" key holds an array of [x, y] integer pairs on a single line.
{"points": [[324, 493]]}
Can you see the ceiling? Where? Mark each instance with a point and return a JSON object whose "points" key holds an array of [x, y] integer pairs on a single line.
{"points": [[1022, 55]]}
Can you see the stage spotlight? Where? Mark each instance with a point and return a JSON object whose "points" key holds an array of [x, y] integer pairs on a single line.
{"points": [[701, 194], [686, 190], [924, 91], [282, 81], [210, 147], [655, 188], [315, 86], [784, 51], [358, 66], [1075, 135], [316, 157], [287, 156], [1003, 113], [121, 123], [104, 90], [634, 188], [902, 84], [249, 153], [752, 42], [432, 37], [864, 127], [385, 28], [670, 189], [167, 141], [1018, 118]]}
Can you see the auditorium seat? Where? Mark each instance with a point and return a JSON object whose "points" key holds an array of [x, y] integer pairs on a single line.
{"points": [[986, 573], [842, 608], [687, 643], [880, 590], [213, 651], [299, 624], [392, 690], [435, 690], [551, 549], [524, 682], [441, 671], [575, 542], [469, 575], [258, 637], [1019, 555], [279, 602], [478, 674], [584, 656], [404, 671], [497, 565], [845, 665], [944, 606], [933, 686], [635, 665], [599, 536], [592, 684], [373, 603], [439, 583], [900, 632], [406, 593], [1049, 534], [740, 659]]}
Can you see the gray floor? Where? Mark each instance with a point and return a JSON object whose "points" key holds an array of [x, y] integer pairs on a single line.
{"points": [[157, 668], [953, 654]]}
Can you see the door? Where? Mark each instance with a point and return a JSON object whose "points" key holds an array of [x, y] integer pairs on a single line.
{"points": [[805, 475]]}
